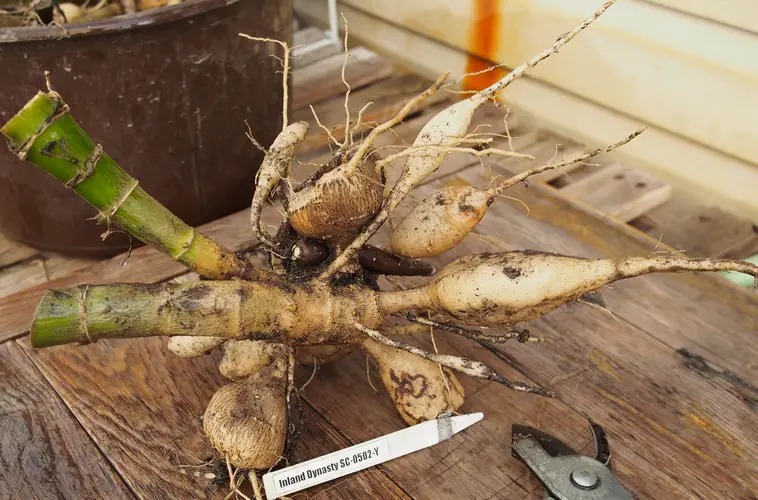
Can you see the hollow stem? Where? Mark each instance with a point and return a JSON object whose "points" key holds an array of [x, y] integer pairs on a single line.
{"points": [[44, 133]]}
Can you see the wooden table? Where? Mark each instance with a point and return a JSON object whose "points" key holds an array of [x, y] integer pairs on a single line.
{"points": [[669, 367]]}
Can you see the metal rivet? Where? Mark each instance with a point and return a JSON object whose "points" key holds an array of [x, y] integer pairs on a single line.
{"points": [[584, 479]]}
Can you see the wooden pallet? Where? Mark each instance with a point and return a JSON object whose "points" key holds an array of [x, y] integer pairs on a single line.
{"points": [[670, 372]]}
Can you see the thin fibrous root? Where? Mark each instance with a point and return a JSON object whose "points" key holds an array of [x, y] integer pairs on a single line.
{"points": [[449, 149], [407, 109], [496, 190], [359, 120], [285, 71], [458, 363], [348, 133], [253, 477], [523, 336], [325, 128]]}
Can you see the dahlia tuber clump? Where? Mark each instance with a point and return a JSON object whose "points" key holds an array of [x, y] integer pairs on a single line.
{"points": [[318, 299]]}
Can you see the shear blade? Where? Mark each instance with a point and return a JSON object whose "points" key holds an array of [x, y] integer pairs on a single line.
{"points": [[551, 444]]}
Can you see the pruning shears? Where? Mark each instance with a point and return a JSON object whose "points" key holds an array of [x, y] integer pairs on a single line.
{"points": [[566, 474]]}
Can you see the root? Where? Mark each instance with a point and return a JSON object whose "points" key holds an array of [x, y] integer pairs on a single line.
{"points": [[368, 374], [523, 336], [409, 107], [253, 477], [464, 365], [359, 121], [285, 71], [442, 369], [313, 374], [449, 149], [348, 134], [496, 190], [326, 129], [233, 483]]}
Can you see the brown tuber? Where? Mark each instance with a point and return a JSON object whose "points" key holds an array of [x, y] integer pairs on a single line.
{"points": [[339, 203], [246, 420]]}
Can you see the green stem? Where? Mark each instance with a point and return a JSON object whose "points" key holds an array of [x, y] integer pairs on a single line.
{"points": [[87, 313], [44, 133], [233, 309]]}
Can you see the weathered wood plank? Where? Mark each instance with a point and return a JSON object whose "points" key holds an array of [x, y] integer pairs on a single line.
{"points": [[324, 80], [620, 191], [143, 407], [23, 275], [13, 251], [628, 380], [698, 227], [44, 452]]}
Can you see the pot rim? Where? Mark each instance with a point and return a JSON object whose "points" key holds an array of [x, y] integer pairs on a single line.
{"points": [[115, 24]]}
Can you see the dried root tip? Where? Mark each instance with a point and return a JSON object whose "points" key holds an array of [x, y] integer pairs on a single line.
{"points": [[464, 365], [420, 389], [522, 336], [378, 261], [192, 347], [243, 358], [247, 420]]}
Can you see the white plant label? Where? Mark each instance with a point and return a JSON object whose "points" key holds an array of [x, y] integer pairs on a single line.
{"points": [[364, 455]]}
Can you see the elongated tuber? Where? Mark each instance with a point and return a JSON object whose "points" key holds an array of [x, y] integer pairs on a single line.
{"points": [[192, 347], [274, 168]]}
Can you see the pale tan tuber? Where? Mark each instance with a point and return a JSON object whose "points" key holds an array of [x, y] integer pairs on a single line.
{"points": [[192, 347], [420, 389], [440, 222], [443, 220], [244, 357]]}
